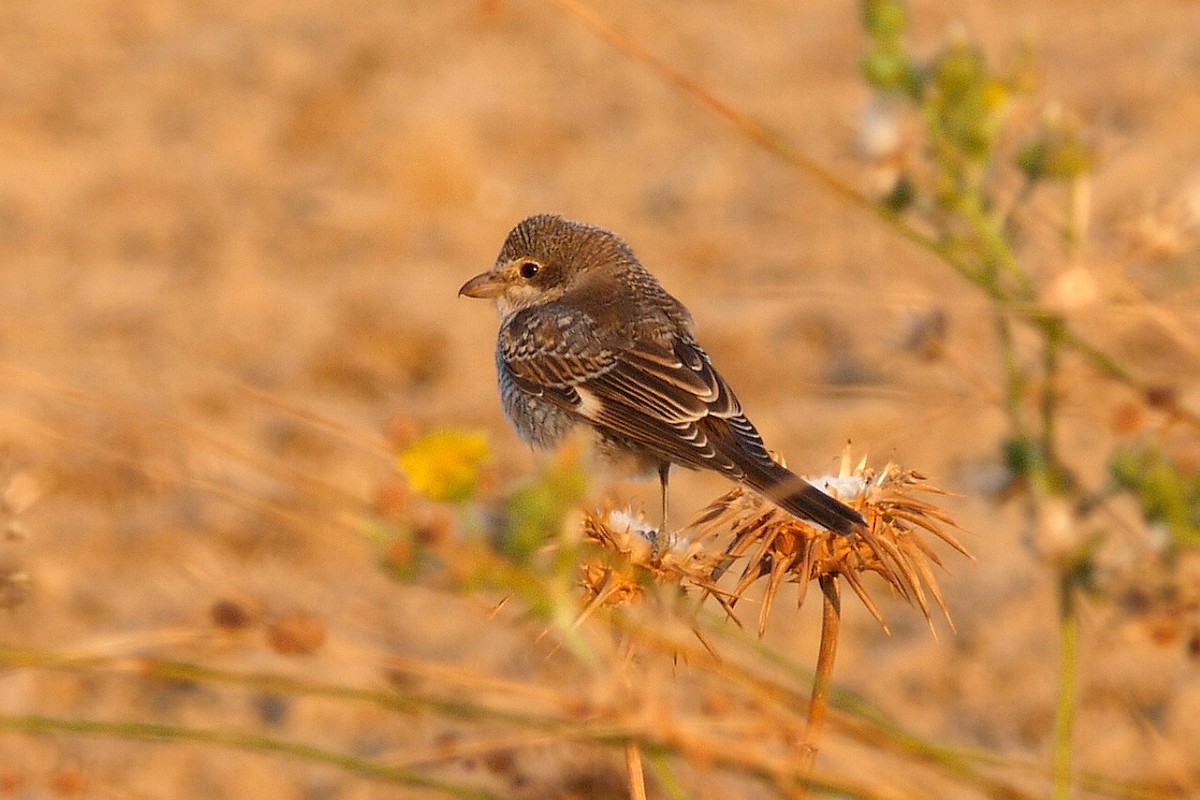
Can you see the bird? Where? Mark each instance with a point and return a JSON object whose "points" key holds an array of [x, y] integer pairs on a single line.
{"points": [[589, 337]]}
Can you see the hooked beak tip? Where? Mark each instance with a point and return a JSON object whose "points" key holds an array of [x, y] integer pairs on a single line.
{"points": [[482, 286]]}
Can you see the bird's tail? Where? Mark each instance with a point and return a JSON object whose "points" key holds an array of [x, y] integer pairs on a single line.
{"points": [[801, 499]]}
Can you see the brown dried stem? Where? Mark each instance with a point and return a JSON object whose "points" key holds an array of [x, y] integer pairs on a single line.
{"points": [[637, 777], [831, 621]]}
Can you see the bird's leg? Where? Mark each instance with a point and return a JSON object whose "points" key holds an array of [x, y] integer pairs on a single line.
{"points": [[664, 471]]}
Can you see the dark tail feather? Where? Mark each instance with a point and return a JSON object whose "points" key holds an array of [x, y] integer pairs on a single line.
{"points": [[801, 499]]}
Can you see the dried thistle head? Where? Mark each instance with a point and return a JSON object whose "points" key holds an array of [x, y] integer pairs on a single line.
{"points": [[639, 554], [774, 545]]}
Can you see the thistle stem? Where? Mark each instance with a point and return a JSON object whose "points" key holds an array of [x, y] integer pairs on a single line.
{"points": [[633, 753], [831, 619], [637, 776]]}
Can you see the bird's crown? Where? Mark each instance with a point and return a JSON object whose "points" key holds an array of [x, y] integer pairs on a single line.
{"points": [[545, 257]]}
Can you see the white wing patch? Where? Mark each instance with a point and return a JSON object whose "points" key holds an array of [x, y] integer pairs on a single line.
{"points": [[590, 405]]}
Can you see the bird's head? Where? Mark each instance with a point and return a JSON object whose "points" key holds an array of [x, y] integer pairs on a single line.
{"points": [[546, 257]]}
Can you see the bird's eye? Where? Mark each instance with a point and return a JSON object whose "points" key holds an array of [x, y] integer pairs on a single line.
{"points": [[529, 269]]}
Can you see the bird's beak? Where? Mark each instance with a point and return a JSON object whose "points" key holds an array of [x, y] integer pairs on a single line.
{"points": [[486, 285]]}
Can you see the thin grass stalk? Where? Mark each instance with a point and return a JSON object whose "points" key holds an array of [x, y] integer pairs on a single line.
{"points": [[459, 706], [694, 746], [864, 723], [818, 704], [251, 742], [334, 497], [1068, 679], [633, 750]]}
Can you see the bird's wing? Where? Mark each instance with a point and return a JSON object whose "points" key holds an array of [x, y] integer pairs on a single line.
{"points": [[665, 397], [549, 350], [672, 400]]}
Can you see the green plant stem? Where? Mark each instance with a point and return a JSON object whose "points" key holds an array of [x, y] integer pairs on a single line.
{"points": [[1052, 342], [999, 260], [1014, 376], [1064, 718], [252, 742], [668, 781]]}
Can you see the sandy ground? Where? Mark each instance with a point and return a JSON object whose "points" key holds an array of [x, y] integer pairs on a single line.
{"points": [[232, 234]]}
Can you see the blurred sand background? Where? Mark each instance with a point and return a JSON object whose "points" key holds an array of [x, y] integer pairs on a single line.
{"points": [[233, 233]]}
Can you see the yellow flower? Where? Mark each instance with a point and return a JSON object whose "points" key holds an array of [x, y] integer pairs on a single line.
{"points": [[445, 465]]}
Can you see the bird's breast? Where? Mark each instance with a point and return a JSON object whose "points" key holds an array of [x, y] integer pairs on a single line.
{"points": [[538, 421]]}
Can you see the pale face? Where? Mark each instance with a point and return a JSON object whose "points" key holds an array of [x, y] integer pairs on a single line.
{"points": [[518, 283]]}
